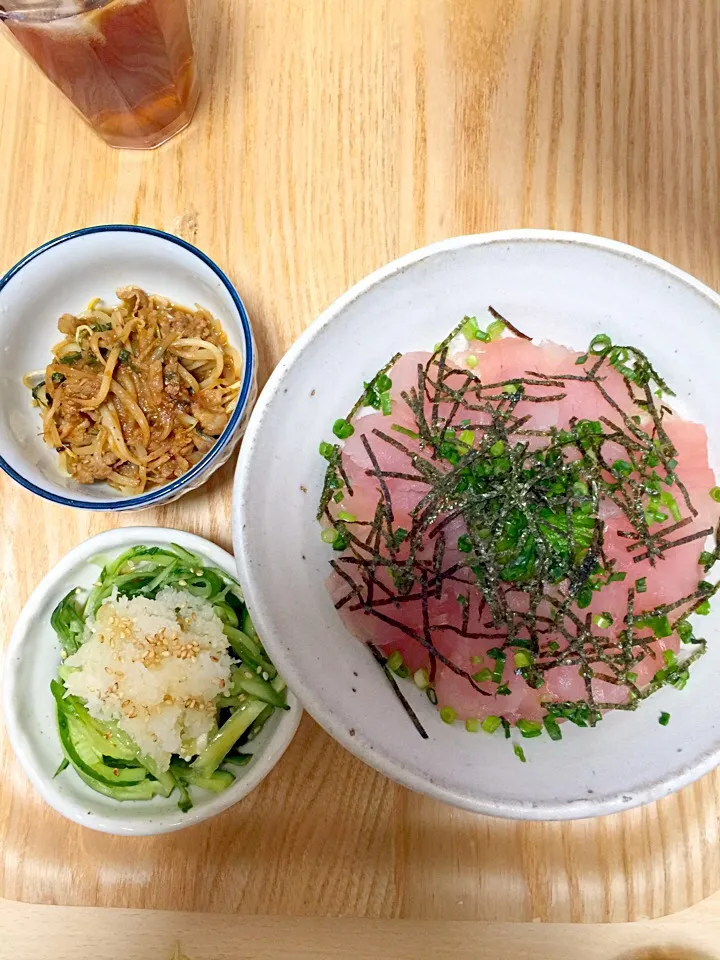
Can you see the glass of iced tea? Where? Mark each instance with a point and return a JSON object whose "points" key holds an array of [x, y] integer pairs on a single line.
{"points": [[128, 66]]}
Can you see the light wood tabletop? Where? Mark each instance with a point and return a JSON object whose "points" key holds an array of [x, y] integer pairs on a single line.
{"points": [[333, 136]]}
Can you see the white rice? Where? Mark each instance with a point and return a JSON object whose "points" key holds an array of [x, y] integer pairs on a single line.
{"points": [[156, 667]]}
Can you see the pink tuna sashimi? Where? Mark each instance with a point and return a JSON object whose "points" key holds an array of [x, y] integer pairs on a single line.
{"points": [[443, 609]]}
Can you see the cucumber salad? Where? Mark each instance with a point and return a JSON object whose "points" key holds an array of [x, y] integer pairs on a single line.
{"points": [[164, 682]]}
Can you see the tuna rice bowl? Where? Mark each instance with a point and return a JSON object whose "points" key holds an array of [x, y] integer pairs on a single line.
{"points": [[525, 532]]}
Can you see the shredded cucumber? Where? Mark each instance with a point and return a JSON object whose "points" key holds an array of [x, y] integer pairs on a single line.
{"points": [[105, 757]]}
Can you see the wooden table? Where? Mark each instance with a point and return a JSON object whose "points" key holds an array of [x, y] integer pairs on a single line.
{"points": [[334, 135]]}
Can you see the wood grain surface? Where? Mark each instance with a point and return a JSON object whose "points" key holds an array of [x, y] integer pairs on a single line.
{"points": [[332, 136], [86, 933]]}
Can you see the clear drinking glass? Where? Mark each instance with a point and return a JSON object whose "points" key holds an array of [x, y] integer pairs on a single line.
{"points": [[128, 66]]}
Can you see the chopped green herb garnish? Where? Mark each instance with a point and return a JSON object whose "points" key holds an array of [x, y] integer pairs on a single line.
{"points": [[395, 661], [528, 728], [482, 676], [552, 727], [664, 719], [342, 429], [519, 752], [490, 724]]}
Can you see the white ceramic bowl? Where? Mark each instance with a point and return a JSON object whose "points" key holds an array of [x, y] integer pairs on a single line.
{"points": [[62, 276], [559, 286], [31, 663]]}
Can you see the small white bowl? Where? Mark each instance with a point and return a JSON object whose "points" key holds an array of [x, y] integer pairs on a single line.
{"points": [[62, 276], [558, 286], [31, 662]]}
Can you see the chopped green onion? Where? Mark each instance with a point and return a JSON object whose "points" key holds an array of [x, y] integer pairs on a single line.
{"points": [[469, 329], [641, 585], [510, 388], [421, 679], [584, 596], [631, 677], [467, 437], [529, 728], [600, 345], [432, 696], [519, 752], [499, 657], [472, 725], [523, 659], [685, 631], [668, 500], [347, 517], [395, 661], [495, 330], [342, 429], [404, 430], [715, 494], [385, 404], [503, 690], [660, 625], [664, 719], [703, 609], [552, 727], [669, 657], [400, 536], [491, 723], [329, 535], [583, 358], [482, 676], [471, 361], [464, 545], [448, 715], [497, 449], [622, 468], [603, 620], [326, 450]]}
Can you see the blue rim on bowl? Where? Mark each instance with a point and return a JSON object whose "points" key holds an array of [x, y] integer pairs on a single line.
{"points": [[164, 492]]}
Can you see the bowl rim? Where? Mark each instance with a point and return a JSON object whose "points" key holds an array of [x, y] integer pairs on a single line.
{"points": [[75, 560], [159, 494], [331, 721]]}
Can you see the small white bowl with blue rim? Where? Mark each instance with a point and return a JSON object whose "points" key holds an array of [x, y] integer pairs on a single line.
{"points": [[62, 276]]}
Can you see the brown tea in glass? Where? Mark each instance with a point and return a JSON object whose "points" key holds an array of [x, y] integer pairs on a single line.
{"points": [[128, 66]]}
